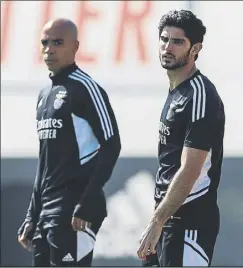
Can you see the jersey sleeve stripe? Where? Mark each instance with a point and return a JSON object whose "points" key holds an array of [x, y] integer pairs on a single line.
{"points": [[89, 86], [194, 101], [199, 99], [97, 90], [73, 76], [204, 96]]}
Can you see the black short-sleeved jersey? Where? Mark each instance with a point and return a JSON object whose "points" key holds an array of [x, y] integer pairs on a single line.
{"points": [[193, 116]]}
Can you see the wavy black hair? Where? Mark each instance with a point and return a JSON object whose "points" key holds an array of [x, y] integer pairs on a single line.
{"points": [[187, 21]]}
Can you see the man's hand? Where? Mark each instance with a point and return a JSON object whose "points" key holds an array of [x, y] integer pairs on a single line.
{"points": [[22, 238], [149, 239], [79, 224]]}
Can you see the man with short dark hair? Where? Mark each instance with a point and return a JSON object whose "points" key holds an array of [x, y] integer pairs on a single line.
{"points": [[185, 223], [79, 146]]}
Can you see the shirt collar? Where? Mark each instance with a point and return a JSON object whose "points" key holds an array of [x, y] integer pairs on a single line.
{"points": [[185, 81], [63, 73]]}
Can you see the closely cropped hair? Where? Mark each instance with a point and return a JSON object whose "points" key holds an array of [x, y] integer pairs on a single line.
{"points": [[187, 21]]}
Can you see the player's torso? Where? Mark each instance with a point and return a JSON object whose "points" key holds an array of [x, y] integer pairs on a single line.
{"points": [[172, 130], [175, 121], [172, 123], [58, 148], [53, 110]]}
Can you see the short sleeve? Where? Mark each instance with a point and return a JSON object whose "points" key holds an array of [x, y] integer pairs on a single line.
{"points": [[201, 122], [199, 135]]}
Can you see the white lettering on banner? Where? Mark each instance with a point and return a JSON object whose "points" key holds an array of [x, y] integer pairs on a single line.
{"points": [[129, 211], [121, 36]]}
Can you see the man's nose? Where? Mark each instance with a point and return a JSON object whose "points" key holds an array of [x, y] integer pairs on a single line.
{"points": [[168, 45], [49, 49]]}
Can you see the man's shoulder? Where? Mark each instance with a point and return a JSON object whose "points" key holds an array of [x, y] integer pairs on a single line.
{"points": [[80, 80], [207, 83], [211, 92], [199, 82], [200, 87], [199, 95], [45, 89]]}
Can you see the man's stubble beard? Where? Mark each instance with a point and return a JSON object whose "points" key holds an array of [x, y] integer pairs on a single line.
{"points": [[178, 64]]}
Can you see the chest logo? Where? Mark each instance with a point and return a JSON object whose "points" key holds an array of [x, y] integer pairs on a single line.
{"points": [[177, 106], [60, 96]]}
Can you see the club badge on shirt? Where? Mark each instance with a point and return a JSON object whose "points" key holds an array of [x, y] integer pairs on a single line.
{"points": [[58, 102]]}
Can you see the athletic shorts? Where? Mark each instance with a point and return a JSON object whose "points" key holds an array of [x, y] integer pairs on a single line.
{"points": [[183, 247], [62, 246]]}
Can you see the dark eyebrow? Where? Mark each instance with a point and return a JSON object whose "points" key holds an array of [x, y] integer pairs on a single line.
{"points": [[172, 38], [47, 40], [58, 40], [178, 39], [53, 40]]}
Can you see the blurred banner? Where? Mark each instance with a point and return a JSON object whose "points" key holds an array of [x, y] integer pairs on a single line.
{"points": [[119, 49], [118, 39]]}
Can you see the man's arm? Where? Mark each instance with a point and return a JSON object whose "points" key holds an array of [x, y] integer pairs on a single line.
{"points": [[182, 183], [191, 164], [97, 111], [33, 210], [198, 142], [27, 229], [34, 207], [199, 139], [107, 157]]}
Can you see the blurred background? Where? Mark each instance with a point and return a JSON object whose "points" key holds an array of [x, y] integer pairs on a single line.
{"points": [[119, 49]]}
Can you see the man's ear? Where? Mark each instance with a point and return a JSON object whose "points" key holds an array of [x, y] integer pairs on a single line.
{"points": [[77, 46], [196, 48]]}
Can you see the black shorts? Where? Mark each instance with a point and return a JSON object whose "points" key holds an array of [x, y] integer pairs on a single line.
{"points": [[180, 247], [61, 246]]}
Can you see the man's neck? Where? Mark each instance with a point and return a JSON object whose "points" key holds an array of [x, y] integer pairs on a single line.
{"points": [[181, 74], [52, 73]]}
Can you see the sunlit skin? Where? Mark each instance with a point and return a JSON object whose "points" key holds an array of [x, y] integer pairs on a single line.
{"points": [[176, 54], [178, 57], [59, 44]]}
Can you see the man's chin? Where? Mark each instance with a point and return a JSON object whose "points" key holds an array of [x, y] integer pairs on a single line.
{"points": [[51, 68], [173, 67], [169, 67]]}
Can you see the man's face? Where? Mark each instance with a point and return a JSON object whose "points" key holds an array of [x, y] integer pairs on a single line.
{"points": [[174, 48], [58, 47]]}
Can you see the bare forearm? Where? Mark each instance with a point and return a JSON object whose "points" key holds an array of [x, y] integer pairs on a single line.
{"points": [[177, 193]]}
